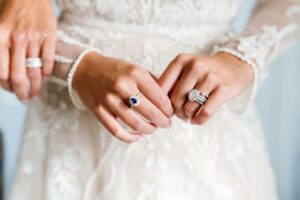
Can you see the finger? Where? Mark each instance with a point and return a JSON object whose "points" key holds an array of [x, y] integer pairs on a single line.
{"points": [[146, 108], [127, 115], [4, 63], [214, 101], [48, 54], [186, 83], [110, 123], [34, 74], [19, 80], [154, 94], [6, 86], [169, 77], [205, 86]]}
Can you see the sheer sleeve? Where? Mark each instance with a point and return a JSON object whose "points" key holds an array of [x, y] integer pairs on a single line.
{"points": [[69, 53], [273, 27]]}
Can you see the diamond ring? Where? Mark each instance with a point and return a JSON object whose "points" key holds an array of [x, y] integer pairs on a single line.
{"points": [[34, 62], [195, 95]]}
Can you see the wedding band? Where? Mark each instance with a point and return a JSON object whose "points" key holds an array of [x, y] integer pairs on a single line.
{"points": [[34, 62], [195, 95], [134, 100]]}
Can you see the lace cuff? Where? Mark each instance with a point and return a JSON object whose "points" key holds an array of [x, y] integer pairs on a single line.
{"points": [[273, 27]]}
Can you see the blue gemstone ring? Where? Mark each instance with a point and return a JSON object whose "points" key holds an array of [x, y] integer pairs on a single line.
{"points": [[134, 100]]}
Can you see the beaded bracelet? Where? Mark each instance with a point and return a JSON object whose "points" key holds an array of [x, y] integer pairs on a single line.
{"points": [[72, 93]]}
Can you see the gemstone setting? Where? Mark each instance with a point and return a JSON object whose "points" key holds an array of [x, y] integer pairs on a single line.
{"points": [[134, 100], [193, 94]]}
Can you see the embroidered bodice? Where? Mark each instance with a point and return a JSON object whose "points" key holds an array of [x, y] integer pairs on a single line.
{"points": [[159, 13], [273, 26]]}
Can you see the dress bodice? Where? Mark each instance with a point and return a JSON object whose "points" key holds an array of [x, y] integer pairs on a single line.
{"points": [[155, 12]]}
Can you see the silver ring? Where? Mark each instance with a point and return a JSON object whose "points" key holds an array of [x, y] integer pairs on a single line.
{"points": [[195, 95], [34, 63], [134, 100]]}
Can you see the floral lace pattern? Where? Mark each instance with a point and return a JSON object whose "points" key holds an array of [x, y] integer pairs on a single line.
{"points": [[67, 154]]}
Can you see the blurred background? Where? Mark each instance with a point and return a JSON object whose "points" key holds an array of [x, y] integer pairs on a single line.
{"points": [[278, 104]]}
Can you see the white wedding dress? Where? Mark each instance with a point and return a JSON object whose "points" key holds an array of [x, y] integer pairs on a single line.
{"points": [[68, 155]]}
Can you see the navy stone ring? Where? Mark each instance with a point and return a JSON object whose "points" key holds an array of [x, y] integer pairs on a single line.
{"points": [[134, 100]]}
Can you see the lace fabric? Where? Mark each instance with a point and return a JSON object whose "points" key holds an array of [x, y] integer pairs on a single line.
{"points": [[67, 154]]}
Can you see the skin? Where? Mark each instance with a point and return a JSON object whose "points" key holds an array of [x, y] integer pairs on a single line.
{"points": [[27, 29], [105, 88], [221, 76]]}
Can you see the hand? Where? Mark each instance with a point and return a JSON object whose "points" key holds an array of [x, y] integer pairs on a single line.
{"points": [[104, 85], [27, 29], [221, 76]]}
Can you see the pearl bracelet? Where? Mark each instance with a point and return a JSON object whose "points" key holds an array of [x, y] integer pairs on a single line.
{"points": [[72, 93]]}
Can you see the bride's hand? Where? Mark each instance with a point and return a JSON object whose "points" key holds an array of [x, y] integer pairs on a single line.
{"points": [[105, 84], [27, 29], [221, 76]]}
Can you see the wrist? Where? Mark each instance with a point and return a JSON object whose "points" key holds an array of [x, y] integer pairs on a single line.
{"points": [[84, 69], [237, 64]]}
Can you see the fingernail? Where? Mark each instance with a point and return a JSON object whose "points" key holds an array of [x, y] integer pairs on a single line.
{"points": [[2, 75], [170, 123], [24, 102], [140, 138], [189, 115], [187, 120], [35, 98]]}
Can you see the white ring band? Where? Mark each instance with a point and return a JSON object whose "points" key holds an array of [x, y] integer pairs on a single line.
{"points": [[34, 63]]}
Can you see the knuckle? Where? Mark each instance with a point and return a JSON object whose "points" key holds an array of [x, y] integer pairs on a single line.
{"points": [[188, 108], [196, 65], [153, 114], [175, 101], [48, 57], [34, 35], [34, 74], [198, 121], [17, 79], [162, 101], [150, 130], [108, 97], [134, 71], [116, 132], [47, 71], [206, 112], [18, 36], [3, 75], [119, 84], [179, 114], [181, 57], [223, 89], [136, 125], [212, 78]]}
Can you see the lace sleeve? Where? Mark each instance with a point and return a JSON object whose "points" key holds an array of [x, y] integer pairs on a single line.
{"points": [[69, 52], [272, 28]]}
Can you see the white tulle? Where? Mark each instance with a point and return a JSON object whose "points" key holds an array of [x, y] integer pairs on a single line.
{"points": [[67, 154]]}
